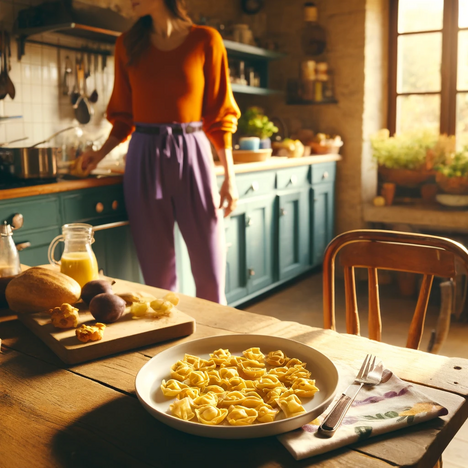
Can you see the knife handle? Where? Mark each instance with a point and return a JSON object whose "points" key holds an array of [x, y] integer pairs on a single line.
{"points": [[335, 417]]}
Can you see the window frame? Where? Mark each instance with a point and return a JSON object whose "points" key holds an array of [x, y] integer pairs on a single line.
{"points": [[448, 92]]}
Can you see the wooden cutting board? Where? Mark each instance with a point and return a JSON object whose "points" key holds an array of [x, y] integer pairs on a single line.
{"points": [[127, 333]]}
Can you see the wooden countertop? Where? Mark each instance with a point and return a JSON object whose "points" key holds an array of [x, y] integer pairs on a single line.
{"points": [[69, 185], [60, 186], [276, 163]]}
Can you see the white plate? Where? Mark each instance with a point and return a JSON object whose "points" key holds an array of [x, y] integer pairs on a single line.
{"points": [[150, 376]]}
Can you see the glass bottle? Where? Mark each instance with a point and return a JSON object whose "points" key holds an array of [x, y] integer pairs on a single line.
{"points": [[78, 260], [313, 35], [9, 260]]}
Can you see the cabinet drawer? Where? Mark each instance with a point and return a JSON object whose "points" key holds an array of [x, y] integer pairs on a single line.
{"points": [[37, 212], [323, 172], [293, 177], [255, 184], [93, 204], [36, 253]]}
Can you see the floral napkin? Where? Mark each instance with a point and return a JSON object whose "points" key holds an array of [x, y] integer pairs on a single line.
{"points": [[392, 405]]}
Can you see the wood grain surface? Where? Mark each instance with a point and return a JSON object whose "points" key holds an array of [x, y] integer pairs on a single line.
{"points": [[88, 414]]}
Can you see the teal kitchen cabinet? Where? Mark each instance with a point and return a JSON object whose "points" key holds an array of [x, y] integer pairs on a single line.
{"points": [[236, 254], [293, 233], [282, 224], [259, 239], [322, 209], [41, 223]]}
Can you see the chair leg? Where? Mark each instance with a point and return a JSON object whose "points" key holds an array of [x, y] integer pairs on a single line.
{"points": [[443, 322]]}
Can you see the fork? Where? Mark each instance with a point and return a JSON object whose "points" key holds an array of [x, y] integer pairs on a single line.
{"points": [[369, 374]]}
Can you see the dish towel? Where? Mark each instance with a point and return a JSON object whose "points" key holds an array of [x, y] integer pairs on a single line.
{"points": [[389, 406]]}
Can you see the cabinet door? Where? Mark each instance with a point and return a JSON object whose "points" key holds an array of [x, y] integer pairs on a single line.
{"points": [[293, 233], [121, 257], [322, 219], [259, 235], [236, 270]]}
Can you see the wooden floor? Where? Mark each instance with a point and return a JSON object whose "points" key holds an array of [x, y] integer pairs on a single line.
{"points": [[302, 302]]}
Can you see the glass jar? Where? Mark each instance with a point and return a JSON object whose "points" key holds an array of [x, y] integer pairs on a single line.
{"points": [[78, 260], [9, 260]]}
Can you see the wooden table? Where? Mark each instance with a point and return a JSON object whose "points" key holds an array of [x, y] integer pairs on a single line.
{"points": [[88, 415]]}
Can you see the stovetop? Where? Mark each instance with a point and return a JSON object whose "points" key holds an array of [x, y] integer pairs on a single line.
{"points": [[18, 183]]}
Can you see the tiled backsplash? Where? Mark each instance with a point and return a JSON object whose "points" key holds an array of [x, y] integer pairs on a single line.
{"points": [[38, 78]]}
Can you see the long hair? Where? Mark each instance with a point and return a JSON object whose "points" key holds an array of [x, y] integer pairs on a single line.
{"points": [[138, 38]]}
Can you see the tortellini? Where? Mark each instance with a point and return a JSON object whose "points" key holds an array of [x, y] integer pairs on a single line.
{"points": [[238, 390], [241, 416]]}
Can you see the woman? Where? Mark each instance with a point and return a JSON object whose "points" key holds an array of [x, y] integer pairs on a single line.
{"points": [[172, 82]]}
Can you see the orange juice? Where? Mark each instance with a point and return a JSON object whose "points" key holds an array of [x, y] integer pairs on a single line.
{"points": [[81, 266]]}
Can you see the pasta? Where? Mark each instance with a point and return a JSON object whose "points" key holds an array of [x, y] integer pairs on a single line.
{"points": [[253, 388]]}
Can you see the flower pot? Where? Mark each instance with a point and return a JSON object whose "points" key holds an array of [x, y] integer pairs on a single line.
{"points": [[455, 185], [405, 177], [265, 143]]}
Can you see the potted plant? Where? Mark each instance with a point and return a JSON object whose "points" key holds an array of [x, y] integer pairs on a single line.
{"points": [[408, 159], [452, 175], [254, 123]]}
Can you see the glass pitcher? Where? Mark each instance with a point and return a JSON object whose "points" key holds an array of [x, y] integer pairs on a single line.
{"points": [[78, 260]]}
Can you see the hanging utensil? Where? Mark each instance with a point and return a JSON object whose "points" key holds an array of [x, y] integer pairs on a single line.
{"points": [[81, 106], [75, 93], [9, 84], [67, 76], [94, 95], [3, 77]]}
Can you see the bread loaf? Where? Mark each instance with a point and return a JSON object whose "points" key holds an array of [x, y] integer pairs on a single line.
{"points": [[38, 289]]}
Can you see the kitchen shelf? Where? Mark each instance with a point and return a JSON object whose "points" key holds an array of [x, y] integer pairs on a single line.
{"points": [[245, 51], [82, 21], [243, 89]]}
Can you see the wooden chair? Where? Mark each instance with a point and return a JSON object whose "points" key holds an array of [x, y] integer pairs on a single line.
{"points": [[392, 250]]}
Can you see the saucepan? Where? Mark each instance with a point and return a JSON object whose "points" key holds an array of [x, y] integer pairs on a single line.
{"points": [[31, 162]]}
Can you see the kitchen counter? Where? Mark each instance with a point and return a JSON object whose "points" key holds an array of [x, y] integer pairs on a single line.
{"points": [[275, 163], [69, 185], [62, 185]]}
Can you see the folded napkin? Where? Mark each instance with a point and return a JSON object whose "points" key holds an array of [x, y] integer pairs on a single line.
{"points": [[392, 405]]}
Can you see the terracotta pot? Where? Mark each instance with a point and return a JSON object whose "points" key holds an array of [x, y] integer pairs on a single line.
{"points": [[455, 185], [429, 192], [388, 192], [405, 177]]}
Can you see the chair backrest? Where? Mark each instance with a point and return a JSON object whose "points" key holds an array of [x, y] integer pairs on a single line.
{"points": [[389, 250]]}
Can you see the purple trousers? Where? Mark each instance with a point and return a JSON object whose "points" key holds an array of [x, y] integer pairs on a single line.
{"points": [[169, 177]]}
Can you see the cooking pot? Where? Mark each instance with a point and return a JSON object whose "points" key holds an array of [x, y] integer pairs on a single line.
{"points": [[30, 163]]}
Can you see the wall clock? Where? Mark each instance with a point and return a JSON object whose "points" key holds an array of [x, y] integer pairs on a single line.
{"points": [[252, 6]]}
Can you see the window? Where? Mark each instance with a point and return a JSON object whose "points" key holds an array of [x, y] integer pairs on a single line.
{"points": [[428, 82]]}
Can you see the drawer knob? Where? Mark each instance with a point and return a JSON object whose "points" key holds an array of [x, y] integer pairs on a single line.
{"points": [[283, 212], [255, 186], [249, 222], [251, 272], [325, 175], [115, 205], [17, 221], [99, 207]]}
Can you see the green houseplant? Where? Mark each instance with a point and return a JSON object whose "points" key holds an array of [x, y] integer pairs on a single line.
{"points": [[254, 123], [452, 174], [409, 158]]}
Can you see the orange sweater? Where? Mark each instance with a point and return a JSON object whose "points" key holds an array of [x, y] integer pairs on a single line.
{"points": [[187, 84]]}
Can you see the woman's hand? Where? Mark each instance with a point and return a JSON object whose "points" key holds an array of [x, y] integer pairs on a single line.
{"points": [[90, 159], [228, 195]]}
